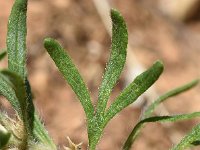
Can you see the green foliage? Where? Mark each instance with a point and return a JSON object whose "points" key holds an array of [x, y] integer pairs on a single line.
{"points": [[6, 89], [191, 139], [15, 87], [148, 112], [14, 84], [26, 107], [150, 109], [70, 73], [115, 64], [135, 89], [16, 38], [140, 124], [3, 54], [97, 121]]}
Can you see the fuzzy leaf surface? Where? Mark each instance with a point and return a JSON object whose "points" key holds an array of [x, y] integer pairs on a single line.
{"points": [[8, 91], [15, 90], [26, 105], [41, 133], [70, 73], [140, 124], [134, 90], [16, 38], [116, 61], [2, 54], [167, 95], [192, 138]]}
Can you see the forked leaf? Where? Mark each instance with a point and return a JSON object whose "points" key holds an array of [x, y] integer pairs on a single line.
{"points": [[167, 95], [70, 73], [192, 138], [2, 54], [116, 61], [140, 124], [134, 90], [16, 38]]}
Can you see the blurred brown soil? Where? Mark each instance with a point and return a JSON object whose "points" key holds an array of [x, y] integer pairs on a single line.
{"points": [[77, 25]]}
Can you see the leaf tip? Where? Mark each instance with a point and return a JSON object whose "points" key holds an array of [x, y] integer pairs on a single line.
{"points": [[159, 65], [48, 42], [116, 16], [114, 12], [194, 82]]}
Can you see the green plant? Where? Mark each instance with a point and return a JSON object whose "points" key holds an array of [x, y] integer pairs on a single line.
{"points": [[27, 132]]}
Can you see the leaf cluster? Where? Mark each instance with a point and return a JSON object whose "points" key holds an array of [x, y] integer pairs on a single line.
{"points": [[15, 87]]}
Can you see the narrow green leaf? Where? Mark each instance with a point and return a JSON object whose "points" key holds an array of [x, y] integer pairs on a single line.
{"points": [[29, 107], [8, 91], [192, 138], [140, 124], [15, 90], [116, 61], [70, 73], [2, 54], [41, 133], [25, 101], [111, 75], [16, 38], [4, 136], [134, 90], [167, 95]]}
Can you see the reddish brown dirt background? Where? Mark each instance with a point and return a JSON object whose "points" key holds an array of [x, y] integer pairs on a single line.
{"points": [[77, 25]]}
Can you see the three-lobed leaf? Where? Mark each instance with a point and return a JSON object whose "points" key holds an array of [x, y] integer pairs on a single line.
{"points": [[116, 63], [19, 89]]}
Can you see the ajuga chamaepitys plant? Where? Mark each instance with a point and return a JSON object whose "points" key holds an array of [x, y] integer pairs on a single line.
{"points": [[27, 131]]}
